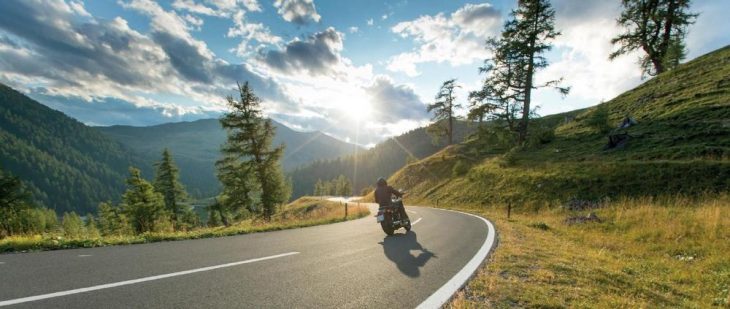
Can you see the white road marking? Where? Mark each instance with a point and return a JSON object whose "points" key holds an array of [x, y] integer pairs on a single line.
{"points": [[84, 255], [444, 293], [2, 263], [134, 281], [417, 220]]}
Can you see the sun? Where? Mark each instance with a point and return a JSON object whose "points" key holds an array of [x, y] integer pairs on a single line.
{"points": [[357, 109]]}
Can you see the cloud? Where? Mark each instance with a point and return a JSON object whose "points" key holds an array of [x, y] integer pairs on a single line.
{"points": [[53, 46], [457, 38], [297, 11], [250, 32], [582, 55], [370, 22], [318, 54], [354, 29], [113, 111], [395, 102]]}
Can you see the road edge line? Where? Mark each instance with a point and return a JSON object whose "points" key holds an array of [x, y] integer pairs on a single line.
{"points": [[138, 280], [447, 291]]}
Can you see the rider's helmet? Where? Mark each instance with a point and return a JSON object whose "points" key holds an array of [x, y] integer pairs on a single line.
{"points": [[382, 182]]}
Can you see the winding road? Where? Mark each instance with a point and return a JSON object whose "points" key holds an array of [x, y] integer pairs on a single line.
{"points": [[345, 265]]}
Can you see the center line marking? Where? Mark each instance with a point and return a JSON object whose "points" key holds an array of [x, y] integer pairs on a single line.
{"points": [[417, 220], [84, 255], [133, 281]]}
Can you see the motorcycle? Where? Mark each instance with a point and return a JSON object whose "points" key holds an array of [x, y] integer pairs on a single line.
{"points": [[390, 218]]}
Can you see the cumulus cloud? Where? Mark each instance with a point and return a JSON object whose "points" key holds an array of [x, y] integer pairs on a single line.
{"points": [[318, 54], [297, 11], [583, 48], [457, 38], [56, 47], [250, 32], [395, 102]]}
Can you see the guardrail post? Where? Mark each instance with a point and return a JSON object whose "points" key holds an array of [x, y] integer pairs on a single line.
{"points": [[509, 209], [345, 211]]}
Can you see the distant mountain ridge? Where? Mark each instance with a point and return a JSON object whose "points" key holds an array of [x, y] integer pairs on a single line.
{"points": [[383, 160], [196, 145]]}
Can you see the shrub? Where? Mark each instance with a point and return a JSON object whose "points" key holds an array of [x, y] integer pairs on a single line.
{"points": [[73, 226], [460, 168]]}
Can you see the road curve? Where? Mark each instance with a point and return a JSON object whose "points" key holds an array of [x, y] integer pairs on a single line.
{"points": [[345, 265]]}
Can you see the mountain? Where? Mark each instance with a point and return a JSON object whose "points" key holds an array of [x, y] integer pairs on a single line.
{"points": [[380, 161], [679, 144], [65, 164], [195, 147]]}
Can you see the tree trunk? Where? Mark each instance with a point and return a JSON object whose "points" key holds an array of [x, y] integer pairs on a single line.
{"points": [[528, 97], [451, 118]]}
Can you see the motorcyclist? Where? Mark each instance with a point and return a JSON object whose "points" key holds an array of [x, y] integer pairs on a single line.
{"points": [[383, 194]]}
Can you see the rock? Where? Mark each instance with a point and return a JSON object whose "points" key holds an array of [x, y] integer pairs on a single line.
{"points": [[592, 217]]}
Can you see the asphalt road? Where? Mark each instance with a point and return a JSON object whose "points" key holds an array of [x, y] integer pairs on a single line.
{"points": [[345, 265]]}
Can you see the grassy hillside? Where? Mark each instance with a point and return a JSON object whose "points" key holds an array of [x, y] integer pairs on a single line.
{"points": [[196, 146], [658, 234], [66, 165], [680, 145]]}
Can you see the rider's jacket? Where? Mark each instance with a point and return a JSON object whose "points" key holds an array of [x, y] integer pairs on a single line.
{"points": [[383, 194]]}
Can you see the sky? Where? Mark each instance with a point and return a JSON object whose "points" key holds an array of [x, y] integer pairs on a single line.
{"points": [[358, 70]]}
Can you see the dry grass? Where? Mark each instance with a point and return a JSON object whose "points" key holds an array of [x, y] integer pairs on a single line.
{"points": [[300, 213], [646, 253]]}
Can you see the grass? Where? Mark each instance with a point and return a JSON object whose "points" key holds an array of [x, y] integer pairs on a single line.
{"points": [[645, 253], [303, 212]]}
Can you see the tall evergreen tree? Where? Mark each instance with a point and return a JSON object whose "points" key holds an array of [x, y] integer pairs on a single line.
{"points": [[518, 55], [658, 28], [168, 184], [250, 167], [318, 188], [443, 109], [13, 200], [144, 207]]}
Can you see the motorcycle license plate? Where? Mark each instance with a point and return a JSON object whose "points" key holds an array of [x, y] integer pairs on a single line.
{"points": [[381, 218]]}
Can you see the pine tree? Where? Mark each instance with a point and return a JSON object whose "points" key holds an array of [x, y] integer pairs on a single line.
{"points": [[111, 220], [658, 28], [518, 54], [443, 109], [168, 184], [250, 167], [13, 200], [144, 207], [318, 188]]}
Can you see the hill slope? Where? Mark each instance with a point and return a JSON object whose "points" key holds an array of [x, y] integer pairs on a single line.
{"points": [[196, 146], [67, 165], [680, 145]]}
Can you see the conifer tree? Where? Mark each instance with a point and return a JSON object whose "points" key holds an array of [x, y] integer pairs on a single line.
{"points": [[111, 220], [144, 207], [443, 109], [250, 167], [658, 28], [318, 188], [168, 184], [13, 200], [518, 54]]}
